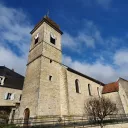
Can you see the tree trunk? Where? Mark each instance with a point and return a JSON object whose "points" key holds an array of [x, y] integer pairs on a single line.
{"points": [[101, 123]]}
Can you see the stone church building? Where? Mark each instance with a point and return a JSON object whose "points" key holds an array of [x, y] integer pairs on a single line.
{"points": [[51, 88]]}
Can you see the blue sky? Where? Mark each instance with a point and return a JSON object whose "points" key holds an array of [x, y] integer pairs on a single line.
{"points": [[94, 40]]}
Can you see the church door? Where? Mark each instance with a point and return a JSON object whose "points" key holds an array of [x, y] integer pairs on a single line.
{"points": [[26, 117]]}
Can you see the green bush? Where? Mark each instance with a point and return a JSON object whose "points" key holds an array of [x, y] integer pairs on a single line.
{"points": [[8, 126]]}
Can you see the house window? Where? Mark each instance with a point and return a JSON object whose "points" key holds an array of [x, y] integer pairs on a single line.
{"points": [[8, 96], [50, 78], [2, 79], [52, 39], [77, 86], [89, 90]]}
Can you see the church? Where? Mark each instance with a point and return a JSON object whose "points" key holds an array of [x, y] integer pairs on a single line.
{"points": [[54, 89]]}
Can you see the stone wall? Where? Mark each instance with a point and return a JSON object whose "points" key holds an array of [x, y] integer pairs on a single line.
{"points": [[49, 89], [47, 31], [115, 97], [64, 100], [31, 88], [123, 92], [35, 52], [77, 100], [51, 52]]}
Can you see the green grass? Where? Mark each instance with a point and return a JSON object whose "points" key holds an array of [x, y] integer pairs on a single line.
{"points": [[9, 126]]}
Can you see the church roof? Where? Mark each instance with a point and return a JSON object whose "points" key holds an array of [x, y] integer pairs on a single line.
{"points": [[83, 75], [48, 21], [111, 87]]}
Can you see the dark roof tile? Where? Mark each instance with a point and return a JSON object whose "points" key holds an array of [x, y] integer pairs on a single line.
{"points": [[12, 79]]}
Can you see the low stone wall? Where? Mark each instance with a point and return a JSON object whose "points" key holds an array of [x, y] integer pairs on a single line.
{"points": [[121, 125]]}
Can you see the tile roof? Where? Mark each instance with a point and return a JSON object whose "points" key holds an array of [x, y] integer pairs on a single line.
{"points": [[111, 87], [48, 21], [52, 22]]}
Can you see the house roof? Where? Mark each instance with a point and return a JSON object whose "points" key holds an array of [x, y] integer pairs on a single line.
{"points": [[12, 79], [48, 21], [83, 75], [111, 87]]}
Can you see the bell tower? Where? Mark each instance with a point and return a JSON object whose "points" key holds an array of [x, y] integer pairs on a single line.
{"points": [[46, 34], [41, 91]]}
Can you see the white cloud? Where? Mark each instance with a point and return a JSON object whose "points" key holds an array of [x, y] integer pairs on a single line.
{"points": [[68, 41], [100, 71], [97, 70], [89, 36], [12, 61], [121, 58], [14, 27], [87, 39], [15, 39]]}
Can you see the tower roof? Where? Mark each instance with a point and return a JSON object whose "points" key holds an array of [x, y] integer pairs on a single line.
{"points": [[49, 22]]}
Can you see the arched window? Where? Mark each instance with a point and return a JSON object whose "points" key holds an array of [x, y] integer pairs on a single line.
{"points": [[77, 86], [89, 90], [36, 38], [99, 93]]}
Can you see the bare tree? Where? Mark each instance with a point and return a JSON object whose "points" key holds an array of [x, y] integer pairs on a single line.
{"points": [[100, 108]]}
